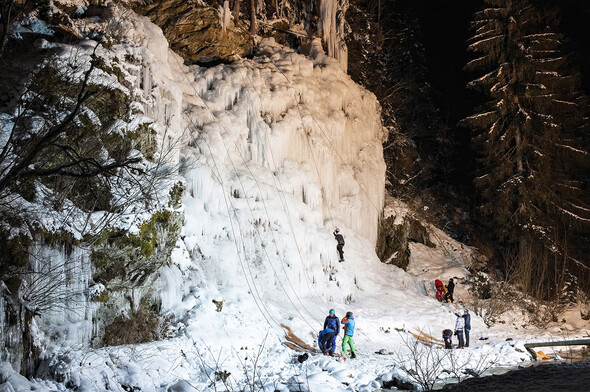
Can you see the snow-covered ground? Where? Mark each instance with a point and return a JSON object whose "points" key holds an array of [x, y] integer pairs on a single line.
{"points": [[277, 152]]}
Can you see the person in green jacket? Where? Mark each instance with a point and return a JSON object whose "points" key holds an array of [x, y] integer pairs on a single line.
{"points": [[348, 323]]}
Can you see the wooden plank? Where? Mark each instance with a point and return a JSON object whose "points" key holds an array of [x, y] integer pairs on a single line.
{"points": [[294, 347], [429, 336], [425, 338], [294, 340]]}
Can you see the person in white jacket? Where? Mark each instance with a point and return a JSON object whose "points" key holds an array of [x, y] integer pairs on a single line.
{"points": [[459, 325]]}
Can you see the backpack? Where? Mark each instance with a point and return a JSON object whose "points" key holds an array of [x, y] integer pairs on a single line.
{"points": [[344, 326], [340, 239], [320, 336]]}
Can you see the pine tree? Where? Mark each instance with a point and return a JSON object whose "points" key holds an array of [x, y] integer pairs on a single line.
{"points": [[529, 133]]}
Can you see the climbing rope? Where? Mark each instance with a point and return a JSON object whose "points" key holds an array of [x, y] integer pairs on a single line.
{"points": [[255, 289]]}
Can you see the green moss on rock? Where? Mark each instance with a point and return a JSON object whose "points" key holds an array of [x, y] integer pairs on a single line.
{"points": [[125, 258], [176, 195], [144, 140], [102, 297]]}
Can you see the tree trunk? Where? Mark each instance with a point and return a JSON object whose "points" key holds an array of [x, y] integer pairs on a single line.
{"points": [[6, 10], [236, 11], [253, 27]]}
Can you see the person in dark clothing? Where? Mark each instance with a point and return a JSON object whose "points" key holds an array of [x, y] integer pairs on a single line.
{"points": [[450, 290], [333, 323], [340, 246], [447, 335], [467, 318], [459, 326], [326, 341]]}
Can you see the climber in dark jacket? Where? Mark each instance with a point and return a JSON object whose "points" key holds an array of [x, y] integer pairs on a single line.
{"points": [[467, 318], [340, 246], [450, 290], [333, 323]]}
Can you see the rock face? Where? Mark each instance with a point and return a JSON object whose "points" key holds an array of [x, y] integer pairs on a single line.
{"points": [[396, 231], [61, 281], [195, 31]]}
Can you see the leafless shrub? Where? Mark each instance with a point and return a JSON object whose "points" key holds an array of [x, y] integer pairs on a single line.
{"points": [[491, 299], [544, 312], [253, 380], [53, 284], [221, 379], [463, 367], [143, 325], [428, 365], [492, 308], [423, 364]]}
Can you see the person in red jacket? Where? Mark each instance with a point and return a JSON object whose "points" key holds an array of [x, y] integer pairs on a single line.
{"points": [[440, 290]]}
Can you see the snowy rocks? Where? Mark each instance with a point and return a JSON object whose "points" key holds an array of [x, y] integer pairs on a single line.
{"points": [[383, 352]]}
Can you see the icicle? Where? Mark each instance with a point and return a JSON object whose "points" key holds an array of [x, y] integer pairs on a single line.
{"points": [[225, 15], [332, 28], [327, 24], [147, 83]]}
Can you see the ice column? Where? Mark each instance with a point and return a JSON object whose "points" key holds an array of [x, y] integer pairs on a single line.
{"points": [[332, 29], [225, 15]]}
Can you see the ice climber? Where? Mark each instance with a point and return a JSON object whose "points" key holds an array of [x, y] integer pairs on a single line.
{"points": [[348, 329], [467, 318], [340, 245], [333, 323], [459, 325], [450, 290]]}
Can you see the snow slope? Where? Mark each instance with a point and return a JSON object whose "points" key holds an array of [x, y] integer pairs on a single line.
{"points": [[275, 151]]}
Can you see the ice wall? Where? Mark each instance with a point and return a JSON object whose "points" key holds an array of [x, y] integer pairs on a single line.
{"points": [[301, 127], [58, 288]]}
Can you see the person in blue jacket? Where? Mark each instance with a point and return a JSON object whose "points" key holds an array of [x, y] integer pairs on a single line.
{"points": [[333, 323], [348, 326], [467, 318], [325, 338]]}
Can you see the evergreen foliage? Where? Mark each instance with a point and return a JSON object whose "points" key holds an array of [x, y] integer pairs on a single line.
{"points": [[388, 58], [532, 150]]}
